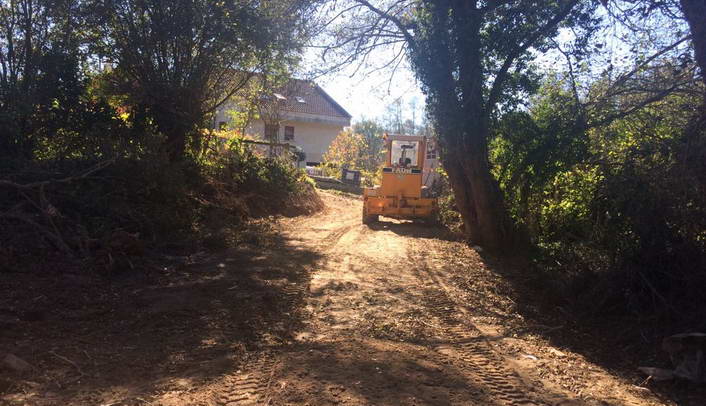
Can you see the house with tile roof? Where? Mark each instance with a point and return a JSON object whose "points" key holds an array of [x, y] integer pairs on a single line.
{"points": [[301, 114]]}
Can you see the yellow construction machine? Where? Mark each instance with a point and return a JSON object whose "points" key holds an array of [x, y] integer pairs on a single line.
{"points": [[401, 194]]}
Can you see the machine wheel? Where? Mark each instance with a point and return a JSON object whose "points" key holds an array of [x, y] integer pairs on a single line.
{"points": [[434, 218], [370, 218]]}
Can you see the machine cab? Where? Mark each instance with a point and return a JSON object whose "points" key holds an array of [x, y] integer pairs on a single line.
{"points": [[404, 154], [402, 173], [400, 192]]}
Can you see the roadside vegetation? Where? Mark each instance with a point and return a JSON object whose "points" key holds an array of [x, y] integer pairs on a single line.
{"points": [[572, 138], [105, 147], [572, 135], [357, 149], [616, 212]]}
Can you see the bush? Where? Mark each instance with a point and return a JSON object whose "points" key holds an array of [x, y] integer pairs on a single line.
{"points": [[449, 213], [262, 185], [618, 213], [76, 206], [356, 151]]}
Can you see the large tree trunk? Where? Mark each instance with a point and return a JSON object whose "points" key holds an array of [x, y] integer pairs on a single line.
{"points": [[695, 13], [480, 200], [481, 203], [462, 122], [177, 121], [477, 193], [175, 131], [493, 223], [462, 195]]}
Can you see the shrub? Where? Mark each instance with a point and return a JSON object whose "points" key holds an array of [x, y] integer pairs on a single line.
{"points": [[618, 212], [75, 206]]}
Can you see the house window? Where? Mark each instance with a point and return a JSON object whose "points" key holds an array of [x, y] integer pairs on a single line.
{"points": [[288, 133], [271, 131], [431, 151]]}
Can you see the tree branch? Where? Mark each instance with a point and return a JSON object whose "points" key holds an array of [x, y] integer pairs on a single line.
{"points": [[389, 17], [493, 5], [69, 179], [644, 103], [623, 78], [519, 50]]}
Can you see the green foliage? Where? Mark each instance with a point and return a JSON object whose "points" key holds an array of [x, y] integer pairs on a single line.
{"points": [[623, 202], [373, 148], [179, 61], [532, 148], [162, 201], [243, 170], [361, 151], [448, 211], [346, 150], [138, 118], [449, 37], [41, 77]]}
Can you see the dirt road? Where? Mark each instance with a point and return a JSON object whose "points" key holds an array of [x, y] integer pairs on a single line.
{"points": [[332, 312], [390, 323]]}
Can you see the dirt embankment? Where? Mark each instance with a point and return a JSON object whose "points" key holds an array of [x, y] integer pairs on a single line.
{"points": [[324, 311]]}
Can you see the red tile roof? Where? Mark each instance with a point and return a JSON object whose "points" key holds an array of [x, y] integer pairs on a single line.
{"points": [[315, 99]]}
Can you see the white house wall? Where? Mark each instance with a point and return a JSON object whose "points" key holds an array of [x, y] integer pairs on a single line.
{"points": [[316, 118], [313, 133], [313, 138]]}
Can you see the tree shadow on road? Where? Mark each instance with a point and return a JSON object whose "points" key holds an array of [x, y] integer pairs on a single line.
{"points": [[414, 229], [379, 372], [97, 340]]}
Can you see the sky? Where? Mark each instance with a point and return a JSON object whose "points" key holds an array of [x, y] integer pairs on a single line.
{"points": [[368, 95], [364, 90]]}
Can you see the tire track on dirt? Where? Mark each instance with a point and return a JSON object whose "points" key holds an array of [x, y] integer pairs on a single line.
{"points": [[252, 383], [251, 388], [465, 343], [460, 344]]}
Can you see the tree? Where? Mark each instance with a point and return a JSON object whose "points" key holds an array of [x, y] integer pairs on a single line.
{"points": [[695, 13], [393, 116], [183, 59], [372, 150], [43, 79], [22, 42], [472, 59], [345, 150], [38, 67], [671, 15]]}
